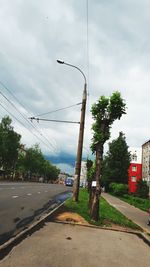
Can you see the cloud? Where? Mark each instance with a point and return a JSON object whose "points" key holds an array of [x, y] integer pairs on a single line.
{"points": [[35, 34]]}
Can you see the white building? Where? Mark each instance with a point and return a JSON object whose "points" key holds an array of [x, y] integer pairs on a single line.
{"points": [[136, 154], [83, 174]]}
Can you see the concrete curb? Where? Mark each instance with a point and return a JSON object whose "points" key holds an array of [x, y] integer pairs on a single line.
{"points": [[16, 239], [143, 236], [140, 234]]}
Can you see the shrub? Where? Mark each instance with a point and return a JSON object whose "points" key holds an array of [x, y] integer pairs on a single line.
{"points": [[118, 189], [142, 189]]}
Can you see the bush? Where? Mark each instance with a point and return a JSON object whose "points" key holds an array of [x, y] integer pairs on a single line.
{"points": [[142, 189], [118, 189]]}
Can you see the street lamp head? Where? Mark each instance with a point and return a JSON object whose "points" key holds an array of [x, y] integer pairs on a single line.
{"points": [[60, 62]]}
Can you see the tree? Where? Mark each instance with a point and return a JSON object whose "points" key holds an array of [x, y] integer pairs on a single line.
{"points": [[9, 145], [35, 164], [142, 189], [91, 167], [104, 113], [116, 162], [34, 160]]}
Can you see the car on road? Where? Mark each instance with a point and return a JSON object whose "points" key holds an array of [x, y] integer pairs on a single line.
{"points": [[69, 181]]}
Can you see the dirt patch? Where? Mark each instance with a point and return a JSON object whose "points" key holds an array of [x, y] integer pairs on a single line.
{"points": [[72, 217], [65, 215]]}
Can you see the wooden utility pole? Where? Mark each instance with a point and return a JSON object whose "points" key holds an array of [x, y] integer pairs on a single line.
{"points": [[80, 147]]}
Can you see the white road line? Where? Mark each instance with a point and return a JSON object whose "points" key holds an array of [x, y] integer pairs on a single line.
{"points": [[12, 187], [39, 192], [45, 191], [15, 196], [29, 194]]}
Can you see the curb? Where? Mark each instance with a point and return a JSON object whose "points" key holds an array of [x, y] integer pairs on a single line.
{"points": [[7, 246], [141, 235]]}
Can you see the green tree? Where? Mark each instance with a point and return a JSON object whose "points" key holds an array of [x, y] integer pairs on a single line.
{"points": [[104, 113], [51, 172], [116, 163], [35, 164], [9, 145], [142, 189], [34, 160]]}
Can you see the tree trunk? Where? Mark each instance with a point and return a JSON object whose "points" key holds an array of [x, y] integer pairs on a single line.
{"points": [[94, 211], [91, 195]]}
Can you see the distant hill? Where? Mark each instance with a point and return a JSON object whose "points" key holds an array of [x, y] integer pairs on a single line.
{"points": [[62, 158]]}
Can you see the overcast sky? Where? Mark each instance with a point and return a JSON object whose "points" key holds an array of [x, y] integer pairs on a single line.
{"points": [[34, 34]]}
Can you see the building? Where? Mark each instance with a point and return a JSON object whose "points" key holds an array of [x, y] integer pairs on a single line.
{"points": [[135, 168], [83, 174], [146, 162], [62, 177]]}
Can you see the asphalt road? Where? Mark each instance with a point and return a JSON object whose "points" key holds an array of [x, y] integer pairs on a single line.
{"points": [[20, 203]]}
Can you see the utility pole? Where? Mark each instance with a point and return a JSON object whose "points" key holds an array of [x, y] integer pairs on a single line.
{"points": [[80, 147], [81, 135]]}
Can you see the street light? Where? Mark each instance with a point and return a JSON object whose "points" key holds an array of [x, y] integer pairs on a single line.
{"points": [[81, 135]]}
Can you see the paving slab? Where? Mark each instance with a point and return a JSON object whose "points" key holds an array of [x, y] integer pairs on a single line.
{"points": [[66, 245]]}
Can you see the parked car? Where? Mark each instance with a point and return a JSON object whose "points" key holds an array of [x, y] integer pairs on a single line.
{"points": [[69, 182]]}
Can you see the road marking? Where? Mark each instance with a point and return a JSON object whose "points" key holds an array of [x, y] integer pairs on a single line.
{"points": [[29, 194], [45, 191], [39, 192], [12, 187], [15, 196]]}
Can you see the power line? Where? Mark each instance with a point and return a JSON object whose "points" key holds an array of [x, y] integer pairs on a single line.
{"points": [[57, 110], [23, 125], [33, 126], [12, 94], [33, 118], [87, 39]]}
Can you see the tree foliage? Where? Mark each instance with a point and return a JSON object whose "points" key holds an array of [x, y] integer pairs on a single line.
{"points": [[34, 163], [142, 189], [104, 113], [118, 189], [9, 145], [116, 162], [25, 162]]}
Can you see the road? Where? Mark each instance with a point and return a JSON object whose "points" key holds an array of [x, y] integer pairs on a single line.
{"points": [[21, 202]]}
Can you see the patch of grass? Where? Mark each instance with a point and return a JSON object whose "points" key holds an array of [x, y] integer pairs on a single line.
{"points": [[143, 204], [108, 214]]}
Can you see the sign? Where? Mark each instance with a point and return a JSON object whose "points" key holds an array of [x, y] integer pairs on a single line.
{"points": [[93, 183]]}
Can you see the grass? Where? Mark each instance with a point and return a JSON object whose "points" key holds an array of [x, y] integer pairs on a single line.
{"points": [[143, 204], [108, 214]]}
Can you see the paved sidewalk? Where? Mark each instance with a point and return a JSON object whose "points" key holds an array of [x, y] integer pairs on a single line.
{"points": [[136, 215], [66, 245]]}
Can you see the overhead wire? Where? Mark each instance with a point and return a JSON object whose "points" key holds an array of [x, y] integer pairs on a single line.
{"points": [[87, 40], [21, 123], [53, 111], [27, 121], [87, 59], [33, 126]]}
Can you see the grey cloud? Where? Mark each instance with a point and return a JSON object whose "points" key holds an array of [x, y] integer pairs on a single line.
{"points": [[34, 34]]}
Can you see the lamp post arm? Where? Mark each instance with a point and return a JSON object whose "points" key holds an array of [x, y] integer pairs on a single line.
{"points": [[73, 66], [77, 69]]}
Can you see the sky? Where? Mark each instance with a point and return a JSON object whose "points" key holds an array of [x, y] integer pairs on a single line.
{"points": [[111, 46]]}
